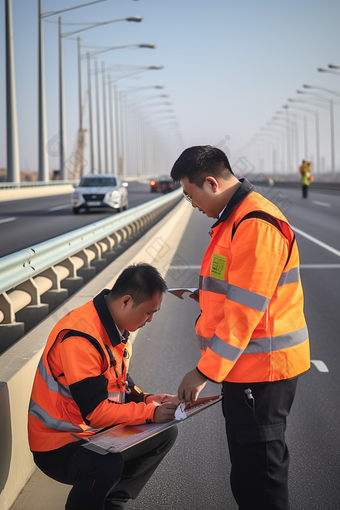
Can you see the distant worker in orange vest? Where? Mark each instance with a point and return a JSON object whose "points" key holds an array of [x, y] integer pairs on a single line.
{"points": [[306, 177], [82, 385], [251, 331]]}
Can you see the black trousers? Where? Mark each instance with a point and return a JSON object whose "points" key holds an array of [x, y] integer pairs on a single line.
{"points": [[305, 190], [256, 437], [105, 482]]}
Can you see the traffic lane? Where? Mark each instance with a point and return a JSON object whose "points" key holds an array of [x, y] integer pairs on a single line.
{"points": [[313, 442], [318, 215], [138, 193], [27, 222], [313, 424], [195, 474], [313, 431]]}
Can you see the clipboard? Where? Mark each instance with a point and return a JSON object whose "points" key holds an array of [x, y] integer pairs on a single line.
{"points": [[121, 437], [179, 291]]}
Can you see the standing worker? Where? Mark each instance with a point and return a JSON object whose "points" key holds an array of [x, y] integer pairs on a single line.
{"points": [[82, 385], [306, 178], [252, 331]]}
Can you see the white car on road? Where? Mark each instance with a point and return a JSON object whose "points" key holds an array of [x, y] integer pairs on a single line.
{"points": [[100, 190]]}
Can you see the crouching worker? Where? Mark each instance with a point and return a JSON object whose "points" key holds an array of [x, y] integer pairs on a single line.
{"points": [[82, 386]]}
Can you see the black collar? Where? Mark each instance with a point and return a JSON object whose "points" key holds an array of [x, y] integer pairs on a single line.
{"points": [[106, 318], [240, 194]]}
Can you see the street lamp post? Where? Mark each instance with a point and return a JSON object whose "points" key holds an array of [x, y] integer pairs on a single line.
{"points": [[287, 125], [13, 166], [120, 97], [331, 109], [43, 160], [113, 114], [62, 123], [115, 157], [317, 132], [266, 151], [305, 131], [142, 133], [43, 169], [282, 132], [99, 155], [323, 70], [106, 144], [90, 114], [43, 165], [274, 138], [321, 105]]}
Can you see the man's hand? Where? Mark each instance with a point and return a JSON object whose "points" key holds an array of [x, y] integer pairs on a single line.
{"points": [[162, 398], [195, 295], [191, 386], [165, 412]]}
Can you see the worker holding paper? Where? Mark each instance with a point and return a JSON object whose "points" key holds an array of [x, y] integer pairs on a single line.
{"points": [[82, 385], [252, 331]]}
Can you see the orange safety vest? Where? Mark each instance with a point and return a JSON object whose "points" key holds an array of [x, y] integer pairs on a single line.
{"points": [[252, 326], [81, 384]]}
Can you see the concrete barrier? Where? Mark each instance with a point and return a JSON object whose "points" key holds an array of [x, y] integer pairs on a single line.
{"points": [[18, 364], [44, 191]]}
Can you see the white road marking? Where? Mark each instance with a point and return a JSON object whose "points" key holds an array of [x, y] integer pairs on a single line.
{"points": [[323, 204], [319, 266], [58, 207], [316, 241], [320, 365], [7, 220]]}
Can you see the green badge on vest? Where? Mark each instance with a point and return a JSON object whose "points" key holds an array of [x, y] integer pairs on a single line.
{"points": [[218, 265]]}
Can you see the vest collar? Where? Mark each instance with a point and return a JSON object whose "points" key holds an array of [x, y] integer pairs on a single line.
{"points": [[106, 319], [240, 194]]}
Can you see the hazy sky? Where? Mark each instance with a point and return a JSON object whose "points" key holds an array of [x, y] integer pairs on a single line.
{"points": [[228, 66]]}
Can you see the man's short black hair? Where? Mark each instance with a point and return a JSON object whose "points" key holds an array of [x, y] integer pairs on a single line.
{"points": [[197, 162], [140, 281]]}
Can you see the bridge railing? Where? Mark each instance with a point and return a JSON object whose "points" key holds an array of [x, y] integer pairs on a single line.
{"points": [[34, 281]]}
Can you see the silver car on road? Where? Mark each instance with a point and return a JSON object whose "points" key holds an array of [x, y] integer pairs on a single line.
{"points": [[100, 190]]}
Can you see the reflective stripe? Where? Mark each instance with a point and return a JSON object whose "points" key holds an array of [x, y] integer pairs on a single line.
{"points": [[291, 276], [210, 284], [213, 285], [277, 343], [233, 293], [219, 347], [255, 346], [117, 396], [50, 422], [247, 298], [203, 342], [51, 383], [224, 349]]}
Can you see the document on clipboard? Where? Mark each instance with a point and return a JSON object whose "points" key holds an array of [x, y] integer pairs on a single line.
{"points": [[121, 437], [179, 291]]}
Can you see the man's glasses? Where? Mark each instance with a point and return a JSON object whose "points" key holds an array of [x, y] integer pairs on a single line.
{"points": [[188, 196]]}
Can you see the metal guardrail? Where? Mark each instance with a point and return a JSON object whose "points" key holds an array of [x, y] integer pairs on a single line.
{"points": [[28, 274], [34, 184]]}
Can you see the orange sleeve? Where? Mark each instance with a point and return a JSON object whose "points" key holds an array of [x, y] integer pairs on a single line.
{"points": [[81, 360]]}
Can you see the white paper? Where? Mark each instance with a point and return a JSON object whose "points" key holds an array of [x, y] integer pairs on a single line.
{"points": [[180, 414]]}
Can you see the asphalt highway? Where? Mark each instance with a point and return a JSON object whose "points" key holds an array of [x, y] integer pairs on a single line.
{"points": [[26, 222], [195, 474]]}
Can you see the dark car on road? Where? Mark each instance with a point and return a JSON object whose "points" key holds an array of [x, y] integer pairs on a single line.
{"points": [[163, 183]]}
